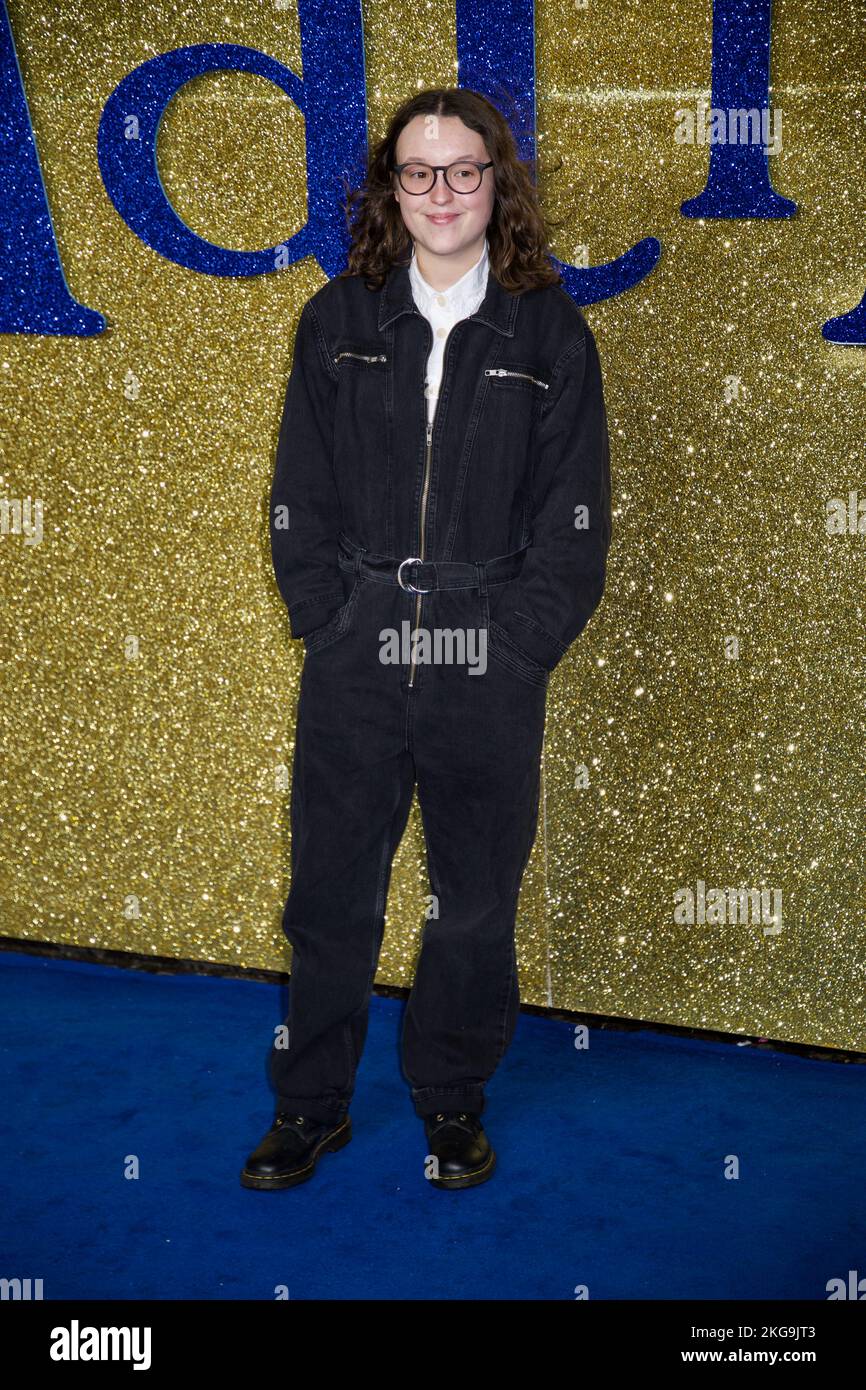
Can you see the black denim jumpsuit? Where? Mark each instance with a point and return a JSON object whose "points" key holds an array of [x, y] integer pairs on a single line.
{"points": [[489, 532]]}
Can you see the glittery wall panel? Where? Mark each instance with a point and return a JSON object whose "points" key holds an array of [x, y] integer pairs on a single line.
{"points": [[745, 772], [147, 795]]}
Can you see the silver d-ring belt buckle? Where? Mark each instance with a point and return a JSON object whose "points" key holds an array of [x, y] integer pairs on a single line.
{"points": [[410, 588]]}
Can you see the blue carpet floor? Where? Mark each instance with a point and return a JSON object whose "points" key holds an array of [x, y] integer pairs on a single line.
{"points": [[610, 1161]]}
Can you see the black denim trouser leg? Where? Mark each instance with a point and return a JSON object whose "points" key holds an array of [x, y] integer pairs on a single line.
{"points": [[473, 742]]}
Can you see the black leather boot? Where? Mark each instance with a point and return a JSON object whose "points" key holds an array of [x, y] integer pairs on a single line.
{"points": [[457, 1140], [290, 1150]]}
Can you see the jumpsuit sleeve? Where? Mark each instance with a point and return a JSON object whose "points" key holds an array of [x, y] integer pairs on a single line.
{"points": [[562, 580], [305, 515]]}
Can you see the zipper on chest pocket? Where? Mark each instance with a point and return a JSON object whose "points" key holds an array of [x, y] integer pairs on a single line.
{"points": [[501, 371], [362, 357]]}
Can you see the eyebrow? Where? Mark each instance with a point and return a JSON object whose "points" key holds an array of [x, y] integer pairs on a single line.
{"points": [[417, 159]]}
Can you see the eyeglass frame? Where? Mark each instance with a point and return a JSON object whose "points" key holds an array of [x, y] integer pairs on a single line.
{"points": [[436, 168]]}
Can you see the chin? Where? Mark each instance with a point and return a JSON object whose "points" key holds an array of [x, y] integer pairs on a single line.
{"points": [[454, 235]]}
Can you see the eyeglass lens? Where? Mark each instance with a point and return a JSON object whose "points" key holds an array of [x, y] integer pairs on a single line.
{"points": [[462, 178]]}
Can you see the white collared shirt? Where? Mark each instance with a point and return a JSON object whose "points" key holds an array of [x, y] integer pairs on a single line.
{"points": [[444, 308]]}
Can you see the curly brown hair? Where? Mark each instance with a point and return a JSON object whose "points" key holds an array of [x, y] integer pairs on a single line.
{"points": [[517, 234]]}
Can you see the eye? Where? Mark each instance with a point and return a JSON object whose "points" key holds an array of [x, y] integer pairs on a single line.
{"points": [[464, 173]]}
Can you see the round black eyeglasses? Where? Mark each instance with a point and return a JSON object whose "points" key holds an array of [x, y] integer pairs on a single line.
{"points": [[462, 177]]}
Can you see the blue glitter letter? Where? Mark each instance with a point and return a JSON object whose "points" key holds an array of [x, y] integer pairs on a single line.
{"points": [[496, 57], [331, 98], [848, 329], [738, 183], [34, 295]]}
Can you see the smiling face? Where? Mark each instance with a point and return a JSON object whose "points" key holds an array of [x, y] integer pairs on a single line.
{"points": [[447, 228]]}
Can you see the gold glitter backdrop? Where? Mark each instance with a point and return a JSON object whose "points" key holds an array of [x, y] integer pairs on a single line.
{"points": [[146, 801]]}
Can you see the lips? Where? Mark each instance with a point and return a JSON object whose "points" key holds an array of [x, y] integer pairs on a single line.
{"points": [[443, 220]]}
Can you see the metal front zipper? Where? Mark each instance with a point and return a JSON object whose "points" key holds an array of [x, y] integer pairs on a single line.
{"points": [[429, 427], [500, 371], [418, 597]]}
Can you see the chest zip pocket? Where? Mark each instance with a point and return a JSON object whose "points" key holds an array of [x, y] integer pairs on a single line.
{"points": [[502, 371], [361, 357]]}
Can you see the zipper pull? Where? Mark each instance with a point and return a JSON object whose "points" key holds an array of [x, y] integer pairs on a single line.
{"points": [[429, 433]]}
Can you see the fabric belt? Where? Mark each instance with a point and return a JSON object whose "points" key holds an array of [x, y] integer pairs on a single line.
{"points": [[421, 576]]}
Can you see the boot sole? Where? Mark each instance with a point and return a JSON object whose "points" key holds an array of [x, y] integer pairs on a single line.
{"points": [[337, 1139], [470, 1179]]}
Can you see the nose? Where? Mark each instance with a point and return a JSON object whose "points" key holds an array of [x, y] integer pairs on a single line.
{"points": [[440, 192]]}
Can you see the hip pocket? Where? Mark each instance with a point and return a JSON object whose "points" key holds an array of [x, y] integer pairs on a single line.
{"points": [[336, 627], [504, 651], [507, 653]]}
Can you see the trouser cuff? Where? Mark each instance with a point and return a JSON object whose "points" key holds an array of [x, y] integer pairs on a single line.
{"points": [[320, 1111], [430, 1100]]}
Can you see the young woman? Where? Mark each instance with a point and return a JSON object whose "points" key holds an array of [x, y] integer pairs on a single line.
{"points": [[440, 521]]}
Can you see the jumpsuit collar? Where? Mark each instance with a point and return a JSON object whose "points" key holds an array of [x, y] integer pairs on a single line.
{"points": [[498, 307]]}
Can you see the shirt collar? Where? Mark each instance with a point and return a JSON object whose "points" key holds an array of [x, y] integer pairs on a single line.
{"points": [[463, 294], [498, 309]]}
